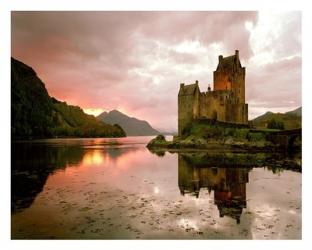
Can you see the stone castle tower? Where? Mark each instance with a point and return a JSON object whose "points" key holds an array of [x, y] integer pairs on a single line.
{"points": [[226, 103]]}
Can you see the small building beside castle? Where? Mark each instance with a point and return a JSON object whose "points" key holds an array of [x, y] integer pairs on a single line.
{"points": [[225, 103]]}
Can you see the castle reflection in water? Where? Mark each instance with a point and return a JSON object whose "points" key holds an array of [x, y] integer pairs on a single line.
{"points": [[228, 184]]}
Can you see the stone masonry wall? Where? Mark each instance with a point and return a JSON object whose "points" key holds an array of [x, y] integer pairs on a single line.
{"points": [[188, 109], [234, 81]]}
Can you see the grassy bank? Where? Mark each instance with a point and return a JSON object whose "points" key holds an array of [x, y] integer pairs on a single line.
{"points": [[208, 136]]}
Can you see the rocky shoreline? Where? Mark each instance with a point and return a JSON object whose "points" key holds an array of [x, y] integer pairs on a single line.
{"points": [[199, 144]]}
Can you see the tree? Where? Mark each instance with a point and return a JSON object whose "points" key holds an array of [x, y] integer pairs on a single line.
{"points": [[273, 124]]}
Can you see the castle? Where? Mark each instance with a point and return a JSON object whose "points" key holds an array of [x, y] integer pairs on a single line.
{"points": [[226, 103]]}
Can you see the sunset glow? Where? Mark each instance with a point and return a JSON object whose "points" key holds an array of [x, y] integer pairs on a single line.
{"points": [[85, 60], [94, 112], [93, 158]]}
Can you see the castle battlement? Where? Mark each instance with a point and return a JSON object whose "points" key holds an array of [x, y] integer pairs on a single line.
{"points": [[226, 102]]}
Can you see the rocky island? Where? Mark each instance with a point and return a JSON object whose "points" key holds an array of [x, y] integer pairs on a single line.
{"points": [[207, 137]]}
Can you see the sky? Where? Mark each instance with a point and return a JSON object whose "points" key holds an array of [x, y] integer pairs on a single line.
{"points": [[135, 61]]}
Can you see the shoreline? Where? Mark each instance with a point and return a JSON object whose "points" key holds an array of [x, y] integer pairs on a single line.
{"points": [[199, 144]]}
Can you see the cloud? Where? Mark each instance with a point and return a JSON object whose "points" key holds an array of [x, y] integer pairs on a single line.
{"points": [[273, 80], [134, 61], [276, 82]]}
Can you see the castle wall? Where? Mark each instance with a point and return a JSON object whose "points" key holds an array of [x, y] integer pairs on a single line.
{"points": [[224, 80], [212, 106], [219, 105], [222, 106], [239, 84], [236, 113], [188, 109], [221, 81]]}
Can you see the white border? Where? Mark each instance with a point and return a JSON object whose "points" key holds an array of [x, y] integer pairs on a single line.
{"points": [[7, 6]]}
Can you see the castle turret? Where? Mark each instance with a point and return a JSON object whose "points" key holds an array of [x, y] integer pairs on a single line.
{"points": [[230, 75], [188, 105]]}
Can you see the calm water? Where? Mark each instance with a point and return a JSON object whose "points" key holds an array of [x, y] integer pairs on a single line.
{"points": [[117, 189]]}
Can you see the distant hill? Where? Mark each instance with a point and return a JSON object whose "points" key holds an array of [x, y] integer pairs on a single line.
{"points": [[297, 112], [291, 119], [167, 132], [35, 114], [131, 125]]}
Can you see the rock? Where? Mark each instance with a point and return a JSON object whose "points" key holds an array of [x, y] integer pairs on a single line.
{"points": [[159, 141]]}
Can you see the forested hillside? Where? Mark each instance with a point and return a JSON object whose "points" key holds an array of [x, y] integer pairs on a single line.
{"points": [[34, 114]]}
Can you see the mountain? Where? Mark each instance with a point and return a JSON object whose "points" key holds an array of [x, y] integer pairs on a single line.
{"points": [[102, 115], [297, 112], [131, 125], [291, 119], [35, 114]]}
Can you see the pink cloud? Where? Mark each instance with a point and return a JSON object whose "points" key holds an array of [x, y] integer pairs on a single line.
{"points": [[128, 60]]}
